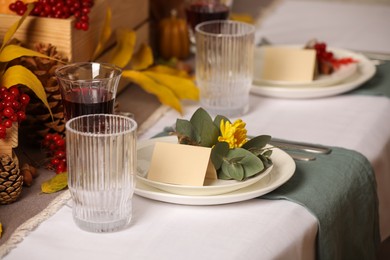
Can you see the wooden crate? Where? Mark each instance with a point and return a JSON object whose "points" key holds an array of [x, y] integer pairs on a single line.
{"points": [[78, 45], [11, 140]]}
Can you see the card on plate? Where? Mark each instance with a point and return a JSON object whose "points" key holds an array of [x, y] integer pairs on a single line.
{"points": [[181, 164], [288, 64]]}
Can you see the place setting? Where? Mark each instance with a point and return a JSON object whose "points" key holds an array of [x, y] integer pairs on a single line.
{"points": [[311, 70], [170, 171]]}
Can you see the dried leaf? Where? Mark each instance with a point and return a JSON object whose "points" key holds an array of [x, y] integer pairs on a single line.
{"points": [[105, 34], [164, 94], [143, 58], [1, 229], [11, 31], [242, 17], [57, 183], [170, 71], [124, 48], [182, 87], [11, 52], [20, 75]]}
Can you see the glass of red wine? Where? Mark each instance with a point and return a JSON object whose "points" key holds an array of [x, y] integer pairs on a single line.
{"points": [[88, 88], [198, 11]]}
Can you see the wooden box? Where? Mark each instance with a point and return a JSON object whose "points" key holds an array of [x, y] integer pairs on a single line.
{"points": [[75, 44], [10, 141]]}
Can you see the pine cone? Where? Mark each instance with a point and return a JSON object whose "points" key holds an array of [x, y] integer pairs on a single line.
{"points": [[39, 121], [11, 180]]}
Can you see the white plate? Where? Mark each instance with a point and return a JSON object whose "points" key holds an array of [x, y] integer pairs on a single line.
{"points": [[365, 70], [339, 75], [212, 187], [282, 171]]}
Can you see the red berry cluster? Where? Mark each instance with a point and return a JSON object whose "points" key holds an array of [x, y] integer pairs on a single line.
{"points": [[323, 55], [58, 9], [56, 151], [12, 108]]}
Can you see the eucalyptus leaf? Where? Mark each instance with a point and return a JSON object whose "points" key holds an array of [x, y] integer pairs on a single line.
{"points": [[208, 134], [185, 128], [251, 163], [234, 170], [200, 116], [222, 175], [236, 159], [257, 142], [266, 161], [218, 152], [218, 119], [206, 130], [268, 153]]}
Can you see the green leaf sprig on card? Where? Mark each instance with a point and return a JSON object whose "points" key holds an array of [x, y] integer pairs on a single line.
{"points": [[233, 154]]}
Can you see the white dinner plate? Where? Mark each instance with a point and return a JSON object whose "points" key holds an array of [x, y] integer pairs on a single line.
{"points": [[211, 187], [283, 169], [337, 76], [365, 70]]}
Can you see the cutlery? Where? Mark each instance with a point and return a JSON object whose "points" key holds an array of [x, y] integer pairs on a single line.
{"points": [[291, 145], [375, 56], [301, 157]]}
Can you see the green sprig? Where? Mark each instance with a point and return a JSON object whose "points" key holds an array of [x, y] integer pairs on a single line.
{"points": [[230, 163]]}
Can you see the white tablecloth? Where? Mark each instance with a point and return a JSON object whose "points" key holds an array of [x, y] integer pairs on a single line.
{"points": [[355, 26], [255, 229]]}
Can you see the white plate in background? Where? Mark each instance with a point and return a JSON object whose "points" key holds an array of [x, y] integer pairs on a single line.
{"points": [[364, 71]]}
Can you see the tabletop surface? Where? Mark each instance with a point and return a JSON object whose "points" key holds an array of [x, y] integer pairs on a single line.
{"points": [[258, 228]]}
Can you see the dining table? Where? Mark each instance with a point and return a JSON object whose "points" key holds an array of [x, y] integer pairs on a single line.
{"points": [[336, 206]]}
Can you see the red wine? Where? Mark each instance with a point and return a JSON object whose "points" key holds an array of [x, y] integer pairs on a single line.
{"points": [[201, 12], [84, 101]]}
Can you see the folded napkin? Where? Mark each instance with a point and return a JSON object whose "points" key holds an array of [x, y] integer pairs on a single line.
{"points": [[340, 190], [377, 85]]}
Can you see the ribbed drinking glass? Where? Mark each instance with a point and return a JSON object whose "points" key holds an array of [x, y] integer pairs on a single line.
{"points": [[224, 66], [101, 161]]}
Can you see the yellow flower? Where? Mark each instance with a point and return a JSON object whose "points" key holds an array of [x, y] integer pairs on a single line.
{"points": [[233, 134]]}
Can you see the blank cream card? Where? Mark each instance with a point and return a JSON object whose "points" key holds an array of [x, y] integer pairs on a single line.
{"points": [[288, 64], [181, 164]]}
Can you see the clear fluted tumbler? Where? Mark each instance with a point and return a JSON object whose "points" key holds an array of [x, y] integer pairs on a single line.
{"points": [[224, 66], [101, 161]]}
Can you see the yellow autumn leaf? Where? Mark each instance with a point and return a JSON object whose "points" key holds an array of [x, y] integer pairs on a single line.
{"points": [[1, 229], [105, 34], [169, 70], [20, 75], [11, 52], [242, 17], [124, 48], [182, 87], [164, 94], [57, 183], [143, 58], [11, 31]]}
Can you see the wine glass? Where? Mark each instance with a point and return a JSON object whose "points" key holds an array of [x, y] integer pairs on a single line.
{"points": [[198, 11]]}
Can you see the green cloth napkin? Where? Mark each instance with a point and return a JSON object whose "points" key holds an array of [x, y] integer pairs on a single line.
{"points": [[379, 84], [339, 189]]}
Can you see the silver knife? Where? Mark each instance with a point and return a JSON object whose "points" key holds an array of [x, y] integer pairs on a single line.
{"points": [[291, 145]]}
